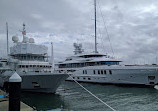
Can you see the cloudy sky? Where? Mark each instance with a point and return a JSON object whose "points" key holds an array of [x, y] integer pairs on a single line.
{"points": [[132, 26]]}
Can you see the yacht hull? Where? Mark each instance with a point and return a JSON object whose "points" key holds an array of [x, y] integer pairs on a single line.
{"points": [[116, 75], [41, 82]]}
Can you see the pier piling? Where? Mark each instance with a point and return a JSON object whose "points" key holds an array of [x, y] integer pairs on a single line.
{"points": [[14, 92]]}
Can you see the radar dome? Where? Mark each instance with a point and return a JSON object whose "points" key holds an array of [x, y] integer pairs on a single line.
{"points": [[31, 40], [26, 39], [15, 39]]}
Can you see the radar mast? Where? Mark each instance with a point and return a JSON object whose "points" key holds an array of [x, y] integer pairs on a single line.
{"points": [[24, 32]]}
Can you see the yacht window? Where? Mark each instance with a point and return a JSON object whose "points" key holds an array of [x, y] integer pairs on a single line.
{"points": [[24, 57], [108, 63], [78, 78], [68, 59], [98, 71], [89, 78], [110, 72], [73, 77], [104, 71], [101, 71], [83, 71], [89, 56], [94, 71], [84, 78], [0, 65]]}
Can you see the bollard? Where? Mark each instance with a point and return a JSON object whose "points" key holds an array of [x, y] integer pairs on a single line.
{"points": [[14, 92]]}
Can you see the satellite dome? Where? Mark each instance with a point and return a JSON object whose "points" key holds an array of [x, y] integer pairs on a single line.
{"points": [[26, 39], [15, 39], [31, 40]]}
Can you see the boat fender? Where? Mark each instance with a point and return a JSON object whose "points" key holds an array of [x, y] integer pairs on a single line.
{"points": [[156, 87]]}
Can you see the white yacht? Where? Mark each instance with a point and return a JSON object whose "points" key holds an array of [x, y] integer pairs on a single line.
{"points": [[31, 62], [102, 68]]}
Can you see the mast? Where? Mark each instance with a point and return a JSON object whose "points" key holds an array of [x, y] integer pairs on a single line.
{"points": [[7, 38], [24, 32], [95, 26], [52, 55]]}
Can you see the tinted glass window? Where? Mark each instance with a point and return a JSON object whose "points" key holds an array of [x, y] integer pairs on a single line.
{"points": [[110, 72], [101, 71]]}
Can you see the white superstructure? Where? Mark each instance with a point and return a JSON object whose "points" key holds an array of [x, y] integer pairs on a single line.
{"points": [[31, 62]]}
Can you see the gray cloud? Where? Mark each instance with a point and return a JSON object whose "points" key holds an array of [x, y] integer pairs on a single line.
{"points": [[132, 25]]}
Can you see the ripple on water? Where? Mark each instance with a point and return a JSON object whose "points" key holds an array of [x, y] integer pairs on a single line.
{"points": [[75, 98]]}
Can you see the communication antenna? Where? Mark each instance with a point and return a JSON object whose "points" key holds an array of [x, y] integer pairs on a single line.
{"points": [[24, 33]]}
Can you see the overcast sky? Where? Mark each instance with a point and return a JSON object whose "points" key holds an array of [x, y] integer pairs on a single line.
{"points": [[132, 26]]}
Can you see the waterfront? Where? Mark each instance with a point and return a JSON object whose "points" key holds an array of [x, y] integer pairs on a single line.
{"points": [[76, 99]]}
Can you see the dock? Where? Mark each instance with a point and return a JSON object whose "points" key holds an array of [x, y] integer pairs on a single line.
{"points": [[4, 104]]}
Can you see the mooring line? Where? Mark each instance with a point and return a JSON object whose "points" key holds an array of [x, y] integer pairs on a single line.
{"points": [[92, 93]]}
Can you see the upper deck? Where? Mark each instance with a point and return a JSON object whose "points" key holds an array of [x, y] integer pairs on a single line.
{"points": [[91, 59]]}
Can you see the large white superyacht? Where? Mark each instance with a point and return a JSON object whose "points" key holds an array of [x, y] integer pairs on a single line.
{"points": [[102, 68], [31, 62]]}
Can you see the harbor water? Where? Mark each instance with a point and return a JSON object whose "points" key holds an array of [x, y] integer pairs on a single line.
{"points": [[71, 96]]}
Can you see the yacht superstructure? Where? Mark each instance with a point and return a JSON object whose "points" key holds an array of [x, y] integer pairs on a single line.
{"points": [[31, 62]]}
